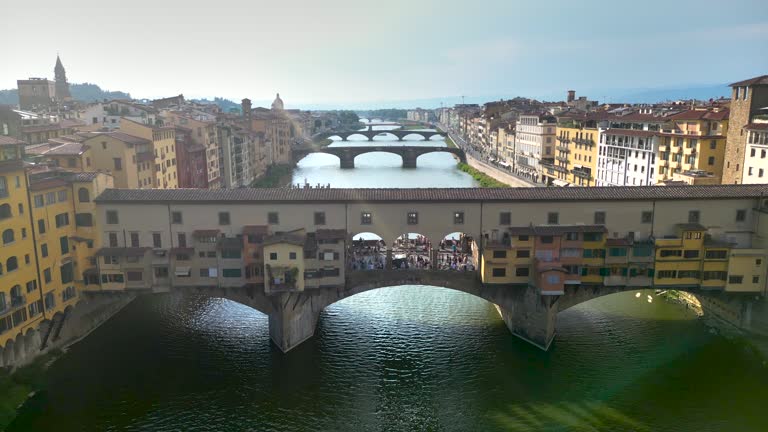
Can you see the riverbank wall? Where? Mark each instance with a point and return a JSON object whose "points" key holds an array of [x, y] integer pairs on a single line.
{"points": [[506, 178], [63, 329]]}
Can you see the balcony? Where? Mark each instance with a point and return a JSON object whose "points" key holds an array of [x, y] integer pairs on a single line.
{"points": [[663, 148], [562, 159], [563, 148], [563, 139]]}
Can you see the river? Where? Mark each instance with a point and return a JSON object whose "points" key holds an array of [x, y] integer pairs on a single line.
{"points": [[409, 358]]}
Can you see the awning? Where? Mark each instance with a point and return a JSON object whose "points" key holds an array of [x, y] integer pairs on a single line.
{"points": [[504, 164], [182, 271], [576, 166], [559, 182]]}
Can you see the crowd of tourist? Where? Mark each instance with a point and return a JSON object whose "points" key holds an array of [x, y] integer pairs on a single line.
{"points": [[411, 253]]}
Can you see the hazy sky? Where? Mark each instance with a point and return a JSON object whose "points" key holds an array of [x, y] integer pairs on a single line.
{"points": [[336, 51]]}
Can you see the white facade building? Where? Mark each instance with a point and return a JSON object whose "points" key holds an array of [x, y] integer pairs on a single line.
{"points": [[756, 154], [534, 141], [626, 157]]}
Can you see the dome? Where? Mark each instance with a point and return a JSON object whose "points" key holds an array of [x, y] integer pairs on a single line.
{"points": [[278, 103]]}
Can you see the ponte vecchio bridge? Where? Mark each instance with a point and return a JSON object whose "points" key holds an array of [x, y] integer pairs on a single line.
{"points": [[538, 251], [370, 134]]}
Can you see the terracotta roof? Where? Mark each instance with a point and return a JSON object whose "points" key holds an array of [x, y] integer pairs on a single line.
{"points": [[47, 184], [701, 115], [757, 126], [294, 239], [121, 136], [606, 193], [86, 177], [761, 80], [6, 140], [41, 128]]}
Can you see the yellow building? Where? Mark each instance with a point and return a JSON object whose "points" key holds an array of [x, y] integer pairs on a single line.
{"points": [[20, 300], [284, 262], [129, 159], [163, 139], [576, 152], [65, 232], [693, 142]]}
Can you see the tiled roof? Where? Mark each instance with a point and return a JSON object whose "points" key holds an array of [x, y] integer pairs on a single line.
{"points": [[761, 80], [47, 184], [757, 126], [608, 193], [701, 115], [6, 140], [294, 239], [86, 177], [124, 137]]}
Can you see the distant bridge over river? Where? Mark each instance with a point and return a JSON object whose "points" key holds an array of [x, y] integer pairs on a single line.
{"points": [[409, 154], [370, 134]]}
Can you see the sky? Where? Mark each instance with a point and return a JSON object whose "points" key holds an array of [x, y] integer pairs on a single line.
{"points": [[353, 52]]}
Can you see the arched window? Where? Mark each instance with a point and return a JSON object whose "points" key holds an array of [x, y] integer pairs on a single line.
{"points": [[5, 211], [8, 236], [12, 264], [83, 195]]}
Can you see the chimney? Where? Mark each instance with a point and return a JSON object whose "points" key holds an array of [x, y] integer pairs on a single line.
{"points": [[571, 95]]}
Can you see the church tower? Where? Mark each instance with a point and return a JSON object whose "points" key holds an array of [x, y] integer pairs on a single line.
{"points": [[62, 87]]}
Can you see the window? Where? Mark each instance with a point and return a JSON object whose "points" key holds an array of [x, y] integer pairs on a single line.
{"points": [[547, 239], [755, 279], [694, 216], [505, 218], [617, 252], [522, 271], [231, 254], [83, 220], [50, 198], [5, 211], [39, 201], [3, 187], [365, 218], [273, 218], [458, 218], [8, 236], [292, 255], [599, 218], [112, 239], [666, 253], [735, 279], [715, 275], [83, 195], [499, 254], [182, 257], [67, 273], [62, 219], [23, 233], [223, 218], [62, 195], [161, 272], [682, 274], [642, 251], [667, 274], [44, 250], [522, 238], [691, 253], [319, 218], [64, 243], [47, 275], [523, 253], [134, 239], [572, 236], [157, 240], [134, 276], [273, 256], [741, 215], [499, 272], [112, 218], [716, 254], [553, 218], [593, 237], [176, 218], [118, 164], [182, 237], [711, 160], [21, 208], [232, 273], [413, 218]]}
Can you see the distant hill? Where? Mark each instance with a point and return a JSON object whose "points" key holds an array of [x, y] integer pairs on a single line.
{"points": [[226, 105], [85, 92]]}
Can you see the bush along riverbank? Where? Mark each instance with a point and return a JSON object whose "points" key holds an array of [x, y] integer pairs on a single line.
{"points": [[22, 383], [276, 176], [484, 179]]}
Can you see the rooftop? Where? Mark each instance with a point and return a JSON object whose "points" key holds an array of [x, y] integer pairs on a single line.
{"points": [[617, 193], [761, 80]]}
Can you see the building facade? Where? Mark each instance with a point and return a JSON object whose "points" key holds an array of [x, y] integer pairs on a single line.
{"points": [[748, 99]]}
